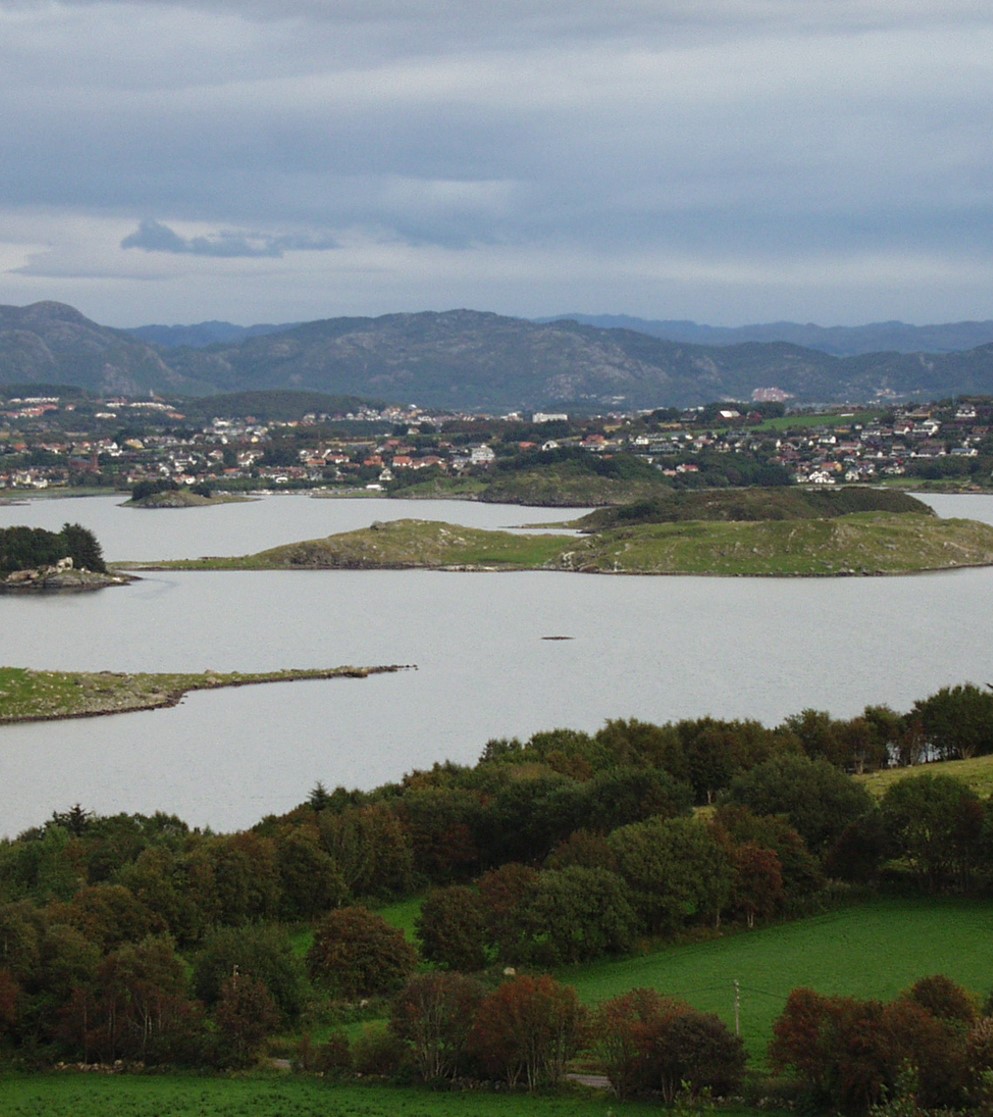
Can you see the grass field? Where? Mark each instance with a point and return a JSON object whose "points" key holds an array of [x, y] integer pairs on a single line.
{"points": [[977, 773], [65, 1095], [862, 543], [841, 420], [873, 950]]}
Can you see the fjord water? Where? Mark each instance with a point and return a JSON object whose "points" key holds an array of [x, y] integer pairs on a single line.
{"points": [[652, 648]]}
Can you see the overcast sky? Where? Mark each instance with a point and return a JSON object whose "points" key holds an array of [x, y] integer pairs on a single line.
{"points": [[728, 161]]}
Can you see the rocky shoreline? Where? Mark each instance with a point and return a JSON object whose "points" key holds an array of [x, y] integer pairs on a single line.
{"points": [[60, 579]]}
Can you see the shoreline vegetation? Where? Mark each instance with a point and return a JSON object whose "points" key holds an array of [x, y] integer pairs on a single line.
{"points": [[29, 695]]}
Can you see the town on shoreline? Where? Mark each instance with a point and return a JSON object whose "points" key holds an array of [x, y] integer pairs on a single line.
{"points": [[283, 441]]}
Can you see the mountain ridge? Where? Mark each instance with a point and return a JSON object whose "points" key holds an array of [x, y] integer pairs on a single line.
{"points": [[839, 341], [470, 360]]}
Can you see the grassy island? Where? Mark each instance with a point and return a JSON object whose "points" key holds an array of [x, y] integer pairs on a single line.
{"points": [[860, 543], [27, 695]]}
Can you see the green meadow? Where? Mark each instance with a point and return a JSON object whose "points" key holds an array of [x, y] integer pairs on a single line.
{"points": [[870, 950], [283, 1095], [875, 949], [94, 1095], [977, 772]]}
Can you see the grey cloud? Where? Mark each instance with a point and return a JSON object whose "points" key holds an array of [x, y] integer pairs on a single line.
{"points": [[731, 130], [153, 236]]}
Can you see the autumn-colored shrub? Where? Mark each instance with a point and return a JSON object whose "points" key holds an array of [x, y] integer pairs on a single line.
{"points": [[356, 953]]}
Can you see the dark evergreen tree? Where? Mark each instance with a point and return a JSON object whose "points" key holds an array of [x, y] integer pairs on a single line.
{"points": [[82, 547]]}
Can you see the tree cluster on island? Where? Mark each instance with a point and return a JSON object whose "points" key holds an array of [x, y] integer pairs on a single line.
{"points": [[135, 938], [145, 489], [23, 548]]}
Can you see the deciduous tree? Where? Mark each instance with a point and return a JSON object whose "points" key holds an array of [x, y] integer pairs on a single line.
{"points": [[677, 871], [356, 953], [452, 928], [936, 823], [757, 888], [245, 1015], [957, 721], [260, 951], [575, 915], [528, 1029], [434, 1014], [310, 880], [817, 798]]}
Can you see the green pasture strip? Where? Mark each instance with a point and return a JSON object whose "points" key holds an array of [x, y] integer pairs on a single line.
{"points": [[976, 772], [28, 695], [874, 950], [832, 422], [180, 1095]]}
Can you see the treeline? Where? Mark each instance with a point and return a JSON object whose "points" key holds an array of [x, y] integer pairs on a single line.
{"points": [[134, 937], [25, 548]]}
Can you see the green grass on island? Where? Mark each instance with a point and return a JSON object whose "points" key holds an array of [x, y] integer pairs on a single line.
{"points": [[397, 544], [27, 695], [860, 543]]}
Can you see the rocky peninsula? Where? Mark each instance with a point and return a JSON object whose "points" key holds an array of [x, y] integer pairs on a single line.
{"points": [[27, 695]]}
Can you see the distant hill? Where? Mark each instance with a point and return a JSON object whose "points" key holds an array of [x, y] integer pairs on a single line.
{"points": [[840, 341], [50, 343], [202, 334], [470, 361], [473, 360]]}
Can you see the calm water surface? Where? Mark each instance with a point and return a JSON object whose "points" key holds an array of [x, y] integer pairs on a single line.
{"points": [[653, 648]]}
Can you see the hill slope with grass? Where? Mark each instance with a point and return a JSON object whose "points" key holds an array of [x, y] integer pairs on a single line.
{"points": [[862, 543]]}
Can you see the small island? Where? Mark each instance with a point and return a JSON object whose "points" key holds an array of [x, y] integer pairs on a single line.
{"points": [[27, 695], [166, 493], [759, 533], [33, 560]]}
